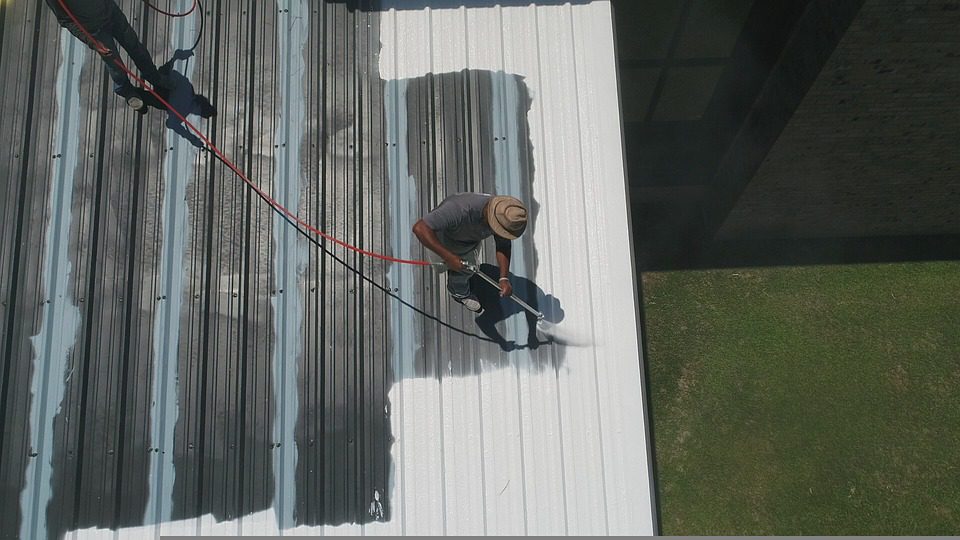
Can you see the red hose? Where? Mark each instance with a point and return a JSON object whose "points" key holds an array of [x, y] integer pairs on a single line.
{"points": [[270, 200]]}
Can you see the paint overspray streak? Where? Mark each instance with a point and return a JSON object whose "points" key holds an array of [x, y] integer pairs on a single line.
{"points": [[178, 173], [61, 316], [290, 255], [404, 332]]}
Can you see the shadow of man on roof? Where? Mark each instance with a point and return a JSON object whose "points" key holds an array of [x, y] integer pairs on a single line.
{"points": [[497, 310], [183, 98]]}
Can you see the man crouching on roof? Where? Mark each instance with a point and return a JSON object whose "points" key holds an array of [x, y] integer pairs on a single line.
{"points": [[455, 229], [103, 27]]}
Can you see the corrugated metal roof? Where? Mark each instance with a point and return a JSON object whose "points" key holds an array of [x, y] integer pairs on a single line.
{"points": [[174, 354]]}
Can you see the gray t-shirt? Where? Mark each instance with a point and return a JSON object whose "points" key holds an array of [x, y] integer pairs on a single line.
{"points": [[460, 224]]}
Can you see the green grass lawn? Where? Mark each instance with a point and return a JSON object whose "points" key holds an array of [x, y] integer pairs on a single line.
{"points": [[814, 400]]}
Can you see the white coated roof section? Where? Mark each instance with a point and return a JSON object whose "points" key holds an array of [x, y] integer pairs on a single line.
{"points": [[566, 452]]}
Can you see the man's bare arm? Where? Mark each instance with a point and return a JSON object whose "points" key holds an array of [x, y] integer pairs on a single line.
{"points": [[429, 239], [503, 261]]}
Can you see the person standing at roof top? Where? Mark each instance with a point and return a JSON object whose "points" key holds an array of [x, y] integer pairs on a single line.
{"points": [[455, 229], [108, 26]]}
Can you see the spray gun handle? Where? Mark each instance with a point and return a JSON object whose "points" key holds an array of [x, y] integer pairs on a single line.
{"points": [[441, 267]]}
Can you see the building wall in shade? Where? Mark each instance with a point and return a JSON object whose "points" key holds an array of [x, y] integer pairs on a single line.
{"points": [[871, 150]]}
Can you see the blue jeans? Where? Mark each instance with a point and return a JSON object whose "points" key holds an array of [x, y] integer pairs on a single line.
{"points": [[458, 283], [118, 31]]}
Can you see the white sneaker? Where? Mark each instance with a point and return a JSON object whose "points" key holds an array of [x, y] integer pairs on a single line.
{"points": [[135, 103], [469, 302]]}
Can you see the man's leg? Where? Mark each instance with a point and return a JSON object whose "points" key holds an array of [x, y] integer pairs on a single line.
{"points": [[127, 37], [105, 46], [458, 284], [121, 84]]}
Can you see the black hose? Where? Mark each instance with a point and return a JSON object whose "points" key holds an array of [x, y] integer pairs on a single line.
{"points": [[345, 264]]}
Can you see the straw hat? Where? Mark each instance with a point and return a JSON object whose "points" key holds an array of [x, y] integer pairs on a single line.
{"points": [[507, 216]]}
